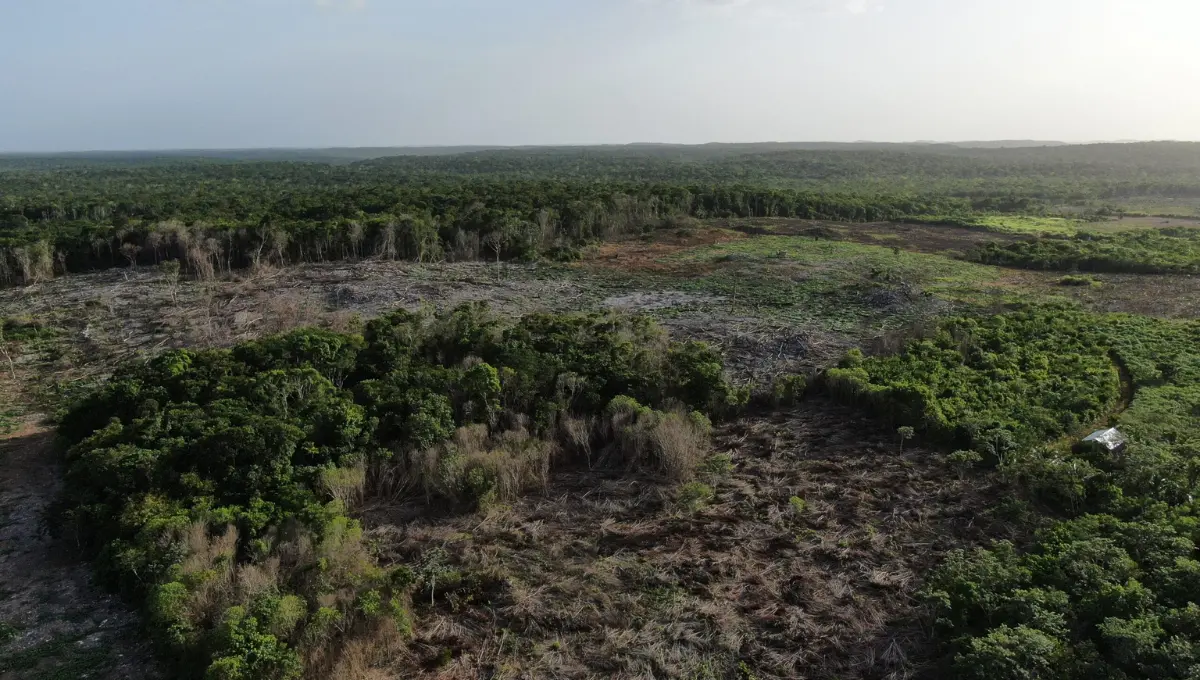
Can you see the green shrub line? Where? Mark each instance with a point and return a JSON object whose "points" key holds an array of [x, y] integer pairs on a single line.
{"points": [[1022, 377], [1148, 251], [1109, 586], [217, 487]]}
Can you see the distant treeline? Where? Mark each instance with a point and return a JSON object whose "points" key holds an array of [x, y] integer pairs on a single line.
{"points": [[220, 225], [1055, 174], [78, 212]]}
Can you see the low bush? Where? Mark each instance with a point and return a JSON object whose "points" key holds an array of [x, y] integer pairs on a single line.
{"points": [[1148, 251], [672, 443], [1109, 589], [694, 495], [217, 486], [1077, 281], [1027, 375], [788, 390]]}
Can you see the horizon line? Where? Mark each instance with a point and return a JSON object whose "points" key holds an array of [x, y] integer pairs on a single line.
{"points": [[489, 147]]}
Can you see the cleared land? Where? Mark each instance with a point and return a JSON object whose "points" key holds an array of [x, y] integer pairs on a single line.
{"points": [[802, 563], [801, 560]]}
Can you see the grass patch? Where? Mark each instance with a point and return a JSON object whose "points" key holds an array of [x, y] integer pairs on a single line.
{"points": [[62, 658], [843, 259], [839, 285], [1078, 281], [1006, 224], [1026, 224]]}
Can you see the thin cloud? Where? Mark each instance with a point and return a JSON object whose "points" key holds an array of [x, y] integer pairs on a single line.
{"points": [[780, 8], [342, 4]]}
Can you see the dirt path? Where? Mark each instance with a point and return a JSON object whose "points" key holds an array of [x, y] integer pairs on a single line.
{"points": [[54, 623]]}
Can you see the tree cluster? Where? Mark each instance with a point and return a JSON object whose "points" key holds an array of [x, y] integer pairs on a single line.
{"points": [[1109, 586], [217, 486], [1148, 251]]}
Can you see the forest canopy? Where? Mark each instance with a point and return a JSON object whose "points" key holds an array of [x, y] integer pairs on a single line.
{"points": [[77, 212]]}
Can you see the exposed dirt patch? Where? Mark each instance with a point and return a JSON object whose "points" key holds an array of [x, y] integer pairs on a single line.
{"points": [[59, 624], [651, 254], [112, 315], [610, 577], [1171, 297]]}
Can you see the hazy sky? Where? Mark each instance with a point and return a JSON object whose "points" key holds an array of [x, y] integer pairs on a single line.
{"points": [[137, 74]]}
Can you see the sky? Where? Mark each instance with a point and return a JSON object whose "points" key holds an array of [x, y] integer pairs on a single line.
{"points": [[170, 74]]}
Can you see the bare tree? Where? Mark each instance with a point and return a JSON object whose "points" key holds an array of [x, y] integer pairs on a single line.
{"points": [[385, 246], [547, 224], [497, 240], [6, 273], [12, 369], [130, 252], [170, 270], [354, 237]]}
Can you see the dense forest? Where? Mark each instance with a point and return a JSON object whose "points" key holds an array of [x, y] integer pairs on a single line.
{"points": [[77, 212]]}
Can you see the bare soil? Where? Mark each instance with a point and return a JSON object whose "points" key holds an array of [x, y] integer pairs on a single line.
{"points": [[1169, 297], [59, 625], [603, 576], [651, 253]]}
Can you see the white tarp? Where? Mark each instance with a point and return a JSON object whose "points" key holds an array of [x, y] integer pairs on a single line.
{"points": [[1111, 439]]}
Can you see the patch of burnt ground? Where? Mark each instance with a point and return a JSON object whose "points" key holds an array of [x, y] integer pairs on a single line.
{"points": [[804, 564]]}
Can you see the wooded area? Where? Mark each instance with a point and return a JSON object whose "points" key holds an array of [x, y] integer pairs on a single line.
{"points": [[80, 212]]}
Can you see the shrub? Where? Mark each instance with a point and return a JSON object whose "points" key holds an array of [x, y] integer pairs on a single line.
{"points": [[1148, 251], [718, 465], [962, 461], [1006, 653], [1076, 280], [694, 495], [696, 375], [1027, 375], [798, 505], [245, 652], [478, 471], [788, 390], [672, 443]]}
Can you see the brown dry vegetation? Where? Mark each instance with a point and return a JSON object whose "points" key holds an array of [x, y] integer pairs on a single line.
{"points": [[604, 576], [651, 253]]}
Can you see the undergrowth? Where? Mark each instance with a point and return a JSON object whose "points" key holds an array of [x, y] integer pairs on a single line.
{"points": [[218, 486], [1109, 589], [1148, 251]]}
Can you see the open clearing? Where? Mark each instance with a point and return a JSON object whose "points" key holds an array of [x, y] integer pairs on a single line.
{"points": [[599, 575], [613, 577]]}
